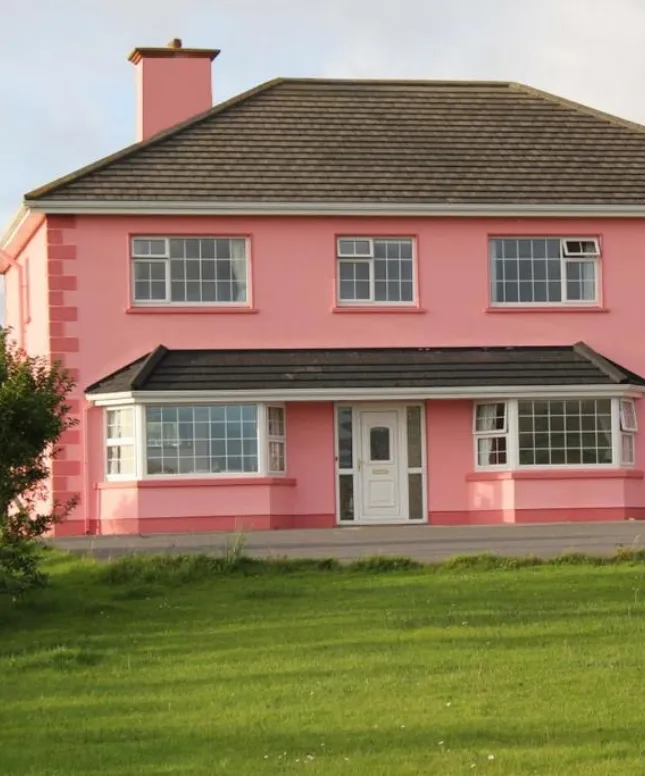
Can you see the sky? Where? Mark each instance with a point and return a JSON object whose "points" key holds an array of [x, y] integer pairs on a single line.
{"points": [[67, 90]]}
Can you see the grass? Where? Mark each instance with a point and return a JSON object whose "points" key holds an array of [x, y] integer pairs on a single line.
{"points": [[177, 665]]}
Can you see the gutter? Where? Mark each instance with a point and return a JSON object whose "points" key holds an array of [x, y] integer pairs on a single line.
{"points": [[124, 398], [213, 207]]}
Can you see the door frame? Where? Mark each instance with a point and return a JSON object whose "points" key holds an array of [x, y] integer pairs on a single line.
{"points": [[401, 409]]}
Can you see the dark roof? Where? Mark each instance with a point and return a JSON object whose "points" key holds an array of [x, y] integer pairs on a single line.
{"points": [[240, 370], [414, 142]]}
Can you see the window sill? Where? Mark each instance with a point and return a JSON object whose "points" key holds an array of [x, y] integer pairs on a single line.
{"points": [[377, 309], [205, 310], [547, 309], [557, 474], [194, 482]]}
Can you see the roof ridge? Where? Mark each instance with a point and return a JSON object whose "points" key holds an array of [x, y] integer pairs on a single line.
{"points": [[150, 363], [578, 106], [412, 81], [133, 148], [613, 371]]}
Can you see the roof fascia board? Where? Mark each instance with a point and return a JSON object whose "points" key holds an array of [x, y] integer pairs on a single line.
{"points": [[364, 394], [155, 207], [13, 226]]}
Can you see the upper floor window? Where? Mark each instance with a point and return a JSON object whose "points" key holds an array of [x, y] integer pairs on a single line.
{"points": [[189, 270], [375, 271], [544, 271]]}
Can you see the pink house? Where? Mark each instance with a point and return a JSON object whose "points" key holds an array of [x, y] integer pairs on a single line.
{"points": [[333, 303]]}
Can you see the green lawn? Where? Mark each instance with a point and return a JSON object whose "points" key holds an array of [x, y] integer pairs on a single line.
{"points": [[453, 671]]}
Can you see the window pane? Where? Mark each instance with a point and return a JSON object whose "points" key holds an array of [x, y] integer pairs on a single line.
{"points": [[379, 443], [393, 268], [565, 432], [527, 271], [627, 449], [354, 281], [345, 453], [581, 281], [276, 456], [491, 417], [195, 266], [491, 451], [120, 423], [214, 438], [628, 415], [415, 496], [120, 459], [276, 421], [414, 437], [346, 496]]}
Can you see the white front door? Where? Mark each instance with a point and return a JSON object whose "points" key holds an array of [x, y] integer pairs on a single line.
{"points": [[380, 478]]}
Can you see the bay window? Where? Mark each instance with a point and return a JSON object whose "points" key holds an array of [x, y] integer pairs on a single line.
{"points": [[197, 440], [555, 432]]}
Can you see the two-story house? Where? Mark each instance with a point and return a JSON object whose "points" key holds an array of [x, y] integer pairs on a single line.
{"points": [[340, 302]]}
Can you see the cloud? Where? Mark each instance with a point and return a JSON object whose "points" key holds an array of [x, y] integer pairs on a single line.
{"points": [[67, 90]]}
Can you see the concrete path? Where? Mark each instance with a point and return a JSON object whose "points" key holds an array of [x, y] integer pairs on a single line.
{"points": [[425, 543]]}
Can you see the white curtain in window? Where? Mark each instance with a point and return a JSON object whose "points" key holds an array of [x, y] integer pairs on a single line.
{"points": [[485, 451], [238, 266], [604, 428], [486, 417]]}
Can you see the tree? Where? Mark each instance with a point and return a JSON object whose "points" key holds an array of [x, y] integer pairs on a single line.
{"points": [[33, 416]]}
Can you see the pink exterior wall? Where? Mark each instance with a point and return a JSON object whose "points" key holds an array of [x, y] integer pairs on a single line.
{"points": [[37, 313], [94, 330], [12, 303]]}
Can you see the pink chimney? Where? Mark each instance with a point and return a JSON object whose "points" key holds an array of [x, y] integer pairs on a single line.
{"points": [[173, 85]]}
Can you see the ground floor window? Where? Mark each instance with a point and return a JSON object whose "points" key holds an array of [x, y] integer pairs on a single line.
{"points": [[199, 440], [555, 432]]}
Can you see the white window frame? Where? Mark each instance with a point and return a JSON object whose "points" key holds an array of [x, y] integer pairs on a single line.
{"points": [[112, 442], [280, 439], [140, 442], [165, 260], [566, 257], [493, 434], [628, 422], [369, 260], [512, 443]]}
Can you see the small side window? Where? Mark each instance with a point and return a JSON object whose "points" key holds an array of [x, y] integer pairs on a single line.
{"points": [[491, 434]]}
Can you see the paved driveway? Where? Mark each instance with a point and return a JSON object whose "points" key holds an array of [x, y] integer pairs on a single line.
{"points": [[424, 543]]}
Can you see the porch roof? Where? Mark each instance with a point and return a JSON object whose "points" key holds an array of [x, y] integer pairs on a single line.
{"points": [[223, 371]]}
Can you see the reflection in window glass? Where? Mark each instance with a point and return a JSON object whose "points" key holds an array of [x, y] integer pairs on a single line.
{"points": [[345, 451], [415, 496], [346, 496], [414, 437], [380, 443]]}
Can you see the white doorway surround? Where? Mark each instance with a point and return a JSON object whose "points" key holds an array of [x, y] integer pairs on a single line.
{"points": [[380, 464]]}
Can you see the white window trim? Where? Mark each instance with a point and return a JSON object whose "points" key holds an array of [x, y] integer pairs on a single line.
{"points": [[627, 430], [565, 258], [109, 442], [167, 302], [512, 443], [493, 434], [140, 443], [363, 258], [276, 438]]}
